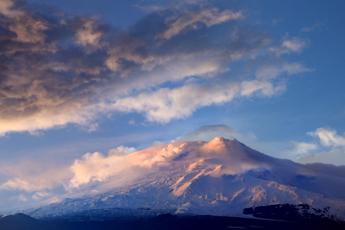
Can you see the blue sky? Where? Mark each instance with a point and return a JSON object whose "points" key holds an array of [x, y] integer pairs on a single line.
{"points": [[136, 73]]}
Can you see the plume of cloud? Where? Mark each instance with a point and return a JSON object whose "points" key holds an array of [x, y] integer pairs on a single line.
{"points": [[96, 167]]}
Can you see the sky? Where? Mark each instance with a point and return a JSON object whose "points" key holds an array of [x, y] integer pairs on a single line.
{"points": [[86, 76]]}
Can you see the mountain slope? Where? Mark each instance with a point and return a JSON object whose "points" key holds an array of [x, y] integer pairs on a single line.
{"points": [[219, 177]]}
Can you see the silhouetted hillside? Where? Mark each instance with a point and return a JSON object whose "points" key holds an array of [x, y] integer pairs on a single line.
{"points": [[167, 222], [290, 212]]}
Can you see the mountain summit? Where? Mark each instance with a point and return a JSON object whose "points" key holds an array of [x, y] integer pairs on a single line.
{"points": [[216, 177]]}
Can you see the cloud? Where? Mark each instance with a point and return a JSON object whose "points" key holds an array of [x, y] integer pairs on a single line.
{"points": [[166, 104], [265, 88], [293, 45], [26, 27], [60, 69], [33, 176], [121, 150], [46, 118], [273, 70], [96, 167], [328, 147], [29, 180], [6, 8], [19, 184], [208, 132], [191, 20], [301, 149], [20, 193], [89, 34], [33, 182], [290, 45], [330, 156], [313, 27], [44, 184], [329, 137]]}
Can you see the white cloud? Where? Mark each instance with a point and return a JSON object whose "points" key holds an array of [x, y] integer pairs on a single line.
{"points": [[272, 71], [256, 86], [291, 45], [35, 183], [121, 150], [329, 137], [166, 104], [97, 167], [19, 184], [327, 147], [208, 17], [33, 176], [49, 118]]}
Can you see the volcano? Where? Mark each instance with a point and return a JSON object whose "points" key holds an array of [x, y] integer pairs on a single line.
{"points": [[218, 177]]}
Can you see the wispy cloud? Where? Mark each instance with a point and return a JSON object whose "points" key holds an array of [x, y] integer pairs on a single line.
{"points": [[271, 71], [208, 132], [289, 45], [300, 149], [313, 27], [192, 20]]}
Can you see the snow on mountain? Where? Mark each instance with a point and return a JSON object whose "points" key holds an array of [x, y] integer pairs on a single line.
{"points": [[218, 177]]}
